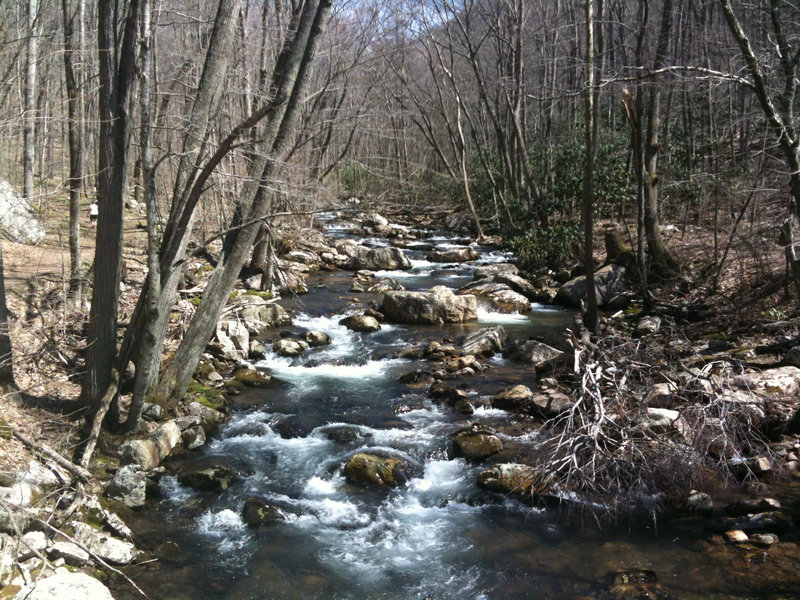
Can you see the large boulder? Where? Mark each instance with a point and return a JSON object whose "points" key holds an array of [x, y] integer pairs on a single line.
{"points": [[128, 486], [386, 258], [65, 586], [289, 347], [374, 220], [452, 255], [110, 549], [233, 339], [372, 469], [609, 282], [499, 296], [260, 313], [258, 512], [488, 340], [206, 477], [476, 442], [17, 218], [439, 305], [361, 323]]}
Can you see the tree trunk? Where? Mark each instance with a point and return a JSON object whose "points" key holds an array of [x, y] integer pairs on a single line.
{"points": [[255, 205], [75, 140], [661, 259], [29, 120], [6, 355], [117, 74], [590, 137]]}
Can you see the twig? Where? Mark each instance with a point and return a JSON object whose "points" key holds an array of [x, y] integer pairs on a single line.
{"points": [[76, 470]]}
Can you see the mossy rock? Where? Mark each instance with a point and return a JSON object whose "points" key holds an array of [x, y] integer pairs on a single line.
{"points": [[205, 395], [5, 430], [370, 469], [260, 294]]}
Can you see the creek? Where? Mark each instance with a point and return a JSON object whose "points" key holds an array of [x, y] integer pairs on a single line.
{"points": [[438, 536]]}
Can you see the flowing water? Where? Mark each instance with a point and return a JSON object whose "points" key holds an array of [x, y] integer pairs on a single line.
{"points": [[439, 536]]}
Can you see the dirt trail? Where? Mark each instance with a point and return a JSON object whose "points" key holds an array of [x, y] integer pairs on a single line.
{"points": [[23, 263]]}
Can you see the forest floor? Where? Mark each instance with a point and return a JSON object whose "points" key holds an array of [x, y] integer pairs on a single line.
{"points": [[751, 299]]}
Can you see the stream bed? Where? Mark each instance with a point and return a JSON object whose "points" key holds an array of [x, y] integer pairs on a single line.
{"points": [[438, 536]]}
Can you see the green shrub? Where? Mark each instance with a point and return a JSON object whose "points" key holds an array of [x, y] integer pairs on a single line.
{"points": [[552, 247]]}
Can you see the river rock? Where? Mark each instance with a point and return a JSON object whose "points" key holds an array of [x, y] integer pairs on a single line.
{"points": [[499, 296], [65, 586], [316, 338], [258, 512], [71, 553], [209, 417], [347, 247], [487, 340], [439, 305], [766, 522], [452, 255], [193, 437], [110, 549], [17, 217], [699, 502], [254, 352], [752, 506], [260, 314], [495, 269], [206, 478], [128, 486], [361, 323], [532, 352], [476, 442], [514, 478], [140, 452], [371, 469], [520, 399], [233, 340], [760, 466], [386, 258], [374, 220], [609, 282], [289, 347], [366, 282], [464, 362], [252, 378]]}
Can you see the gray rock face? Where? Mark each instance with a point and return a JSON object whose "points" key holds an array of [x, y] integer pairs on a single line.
{"points": [[234, 339], [498, 295], [488, 340], [361, 323], [110, 549], [128, 486], [379, 259], [439, 305], [609, 282], [17, 218], [65, 586], [452, 255]]}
